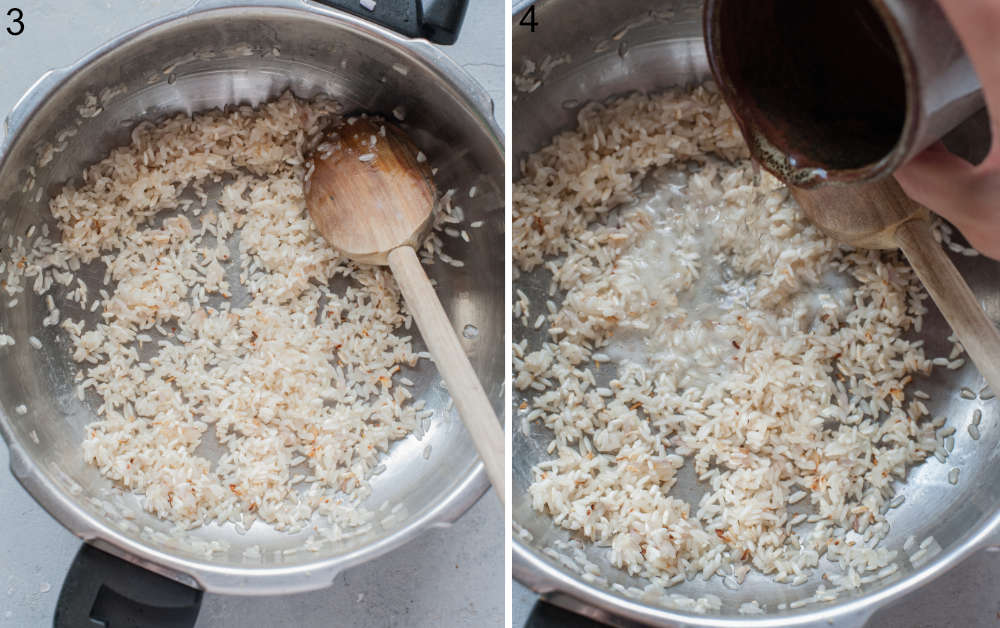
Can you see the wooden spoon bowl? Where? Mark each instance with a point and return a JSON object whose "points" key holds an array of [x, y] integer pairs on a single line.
{"points": [[371, 162]]}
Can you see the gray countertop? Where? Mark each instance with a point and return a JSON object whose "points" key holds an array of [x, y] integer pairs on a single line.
{"points": [[448, 577]]}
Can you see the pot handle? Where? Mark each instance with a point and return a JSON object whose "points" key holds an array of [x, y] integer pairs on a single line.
{"points": [[545, 615], [435, 20], [104, 590]]}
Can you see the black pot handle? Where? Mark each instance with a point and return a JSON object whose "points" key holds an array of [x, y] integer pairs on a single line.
{"points": [[545, 615], [102, 590], [436, 20]]}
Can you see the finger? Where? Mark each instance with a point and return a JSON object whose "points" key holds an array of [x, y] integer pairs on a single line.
{"points": [[986, 241], [940, 180], [977, 23], [955, 189]]}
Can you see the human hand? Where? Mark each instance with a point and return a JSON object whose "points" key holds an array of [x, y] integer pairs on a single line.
{"points": [[966, 195]]}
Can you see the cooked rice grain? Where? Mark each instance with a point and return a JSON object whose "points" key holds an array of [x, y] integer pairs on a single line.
{"points": [[757, 351], [279, 370]]}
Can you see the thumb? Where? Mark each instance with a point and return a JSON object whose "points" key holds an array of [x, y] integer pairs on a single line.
{"points": [[962, 193], [942, 181]]}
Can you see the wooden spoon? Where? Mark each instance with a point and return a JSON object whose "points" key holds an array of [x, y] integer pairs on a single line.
{"points": [[372, 198], [880, 216]]}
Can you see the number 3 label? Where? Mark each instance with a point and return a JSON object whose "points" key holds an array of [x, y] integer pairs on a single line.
{"points": [[16, 25]]}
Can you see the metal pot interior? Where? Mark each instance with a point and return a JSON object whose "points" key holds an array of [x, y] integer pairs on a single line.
{"points": [[218, 58], [647, 46]]}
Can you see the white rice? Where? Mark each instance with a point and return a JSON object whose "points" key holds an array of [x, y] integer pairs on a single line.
{"points": [[918, 555], [296, 374], [733, 350], [751, 608]]}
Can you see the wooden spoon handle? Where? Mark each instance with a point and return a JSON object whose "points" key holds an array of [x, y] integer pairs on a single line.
{"points": [[953, 297], [463, 385]]}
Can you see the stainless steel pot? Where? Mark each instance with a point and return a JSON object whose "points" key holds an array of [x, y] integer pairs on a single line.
{"points": [[650, 45], [213, 55]]}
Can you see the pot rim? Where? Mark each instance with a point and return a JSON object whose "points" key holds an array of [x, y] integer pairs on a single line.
{"points": [[549, 580], [203, 572], [520, 5]]}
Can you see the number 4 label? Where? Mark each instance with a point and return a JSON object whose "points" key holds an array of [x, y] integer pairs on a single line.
{"points": [[528, 19]]}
